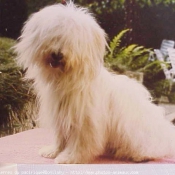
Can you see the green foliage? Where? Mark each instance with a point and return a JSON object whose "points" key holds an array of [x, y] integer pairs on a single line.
{"points": [[14, 92], [98, 6], [134, 58], [154, 2], [171, 96], [106, 6], [162, 87]]}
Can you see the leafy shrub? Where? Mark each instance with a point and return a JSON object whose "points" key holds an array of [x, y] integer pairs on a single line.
{"points": [[136, 58], [15, 95], [132, 57]]}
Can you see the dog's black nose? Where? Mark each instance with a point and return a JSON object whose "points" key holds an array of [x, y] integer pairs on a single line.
{"points": [[55, 59]]}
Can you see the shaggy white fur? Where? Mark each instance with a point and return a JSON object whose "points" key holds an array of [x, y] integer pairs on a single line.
{"points": [[91, 110]]}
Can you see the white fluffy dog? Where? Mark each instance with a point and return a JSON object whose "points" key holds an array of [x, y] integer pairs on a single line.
{"points": [[91, 110]]}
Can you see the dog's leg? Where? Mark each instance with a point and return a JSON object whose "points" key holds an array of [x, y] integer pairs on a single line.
{"points": [[78, 154], [75, 153], [50, 151], [82, 146]]}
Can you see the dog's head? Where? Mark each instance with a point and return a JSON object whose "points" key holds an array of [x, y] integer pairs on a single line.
{"points": [[61, 39]]}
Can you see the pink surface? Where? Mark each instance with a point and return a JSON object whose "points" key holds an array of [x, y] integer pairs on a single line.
{"points": [[23, 148]]}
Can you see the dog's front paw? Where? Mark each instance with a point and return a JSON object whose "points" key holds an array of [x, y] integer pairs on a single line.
{"points": [[49, 151], [66, 158]]}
